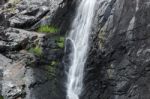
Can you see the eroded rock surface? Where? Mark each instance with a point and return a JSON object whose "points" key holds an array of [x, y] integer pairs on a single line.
{"points": [[119, 67]]}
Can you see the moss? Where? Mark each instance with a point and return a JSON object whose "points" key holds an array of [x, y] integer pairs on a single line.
{"points": [[52, 69], [61, 39], [53, 63], [55, 49], [60, 42], [61, 45], [1, 97], [36, 50], [47, 29]]}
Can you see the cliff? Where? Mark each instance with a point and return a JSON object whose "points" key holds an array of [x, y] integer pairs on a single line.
{"points": [[33, 64], [118, 63]]}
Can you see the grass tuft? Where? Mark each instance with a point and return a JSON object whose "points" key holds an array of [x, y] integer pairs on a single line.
{"points": [[52, 69], [36, 50], [47, 29], [60, 42]]}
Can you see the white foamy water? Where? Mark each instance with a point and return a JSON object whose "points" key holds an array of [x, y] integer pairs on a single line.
{"points": [[79, 36]]}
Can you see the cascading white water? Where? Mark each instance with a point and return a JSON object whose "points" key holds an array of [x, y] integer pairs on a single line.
{"points": [[79, 37]]}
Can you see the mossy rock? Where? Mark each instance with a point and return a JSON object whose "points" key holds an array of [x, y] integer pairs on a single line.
{"points": [[52, 69], [48, 29], [60, 42], [36, 50]]}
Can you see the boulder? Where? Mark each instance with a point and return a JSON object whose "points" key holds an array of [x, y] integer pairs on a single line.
{"points": [[14, 79], [4, 61]]}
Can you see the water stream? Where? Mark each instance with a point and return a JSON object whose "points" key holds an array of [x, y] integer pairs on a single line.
{"points": [[79, 37]]}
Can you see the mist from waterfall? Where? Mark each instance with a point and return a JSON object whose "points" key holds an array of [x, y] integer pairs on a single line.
{"points": [[79, 38]]}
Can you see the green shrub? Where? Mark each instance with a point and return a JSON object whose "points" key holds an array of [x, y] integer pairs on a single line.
{"points": [[36, 50], [60, 42], [61, 45], [61, 39], [54, 63], [51, 71], [47, 29]]}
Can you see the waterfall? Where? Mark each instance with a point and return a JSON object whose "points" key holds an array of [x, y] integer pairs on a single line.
{"points": [[79, 38]]}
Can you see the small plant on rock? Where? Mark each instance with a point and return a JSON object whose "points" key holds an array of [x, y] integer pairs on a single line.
{"points": [[47, 29], [52, 69], [36, 50], [60, 42]]}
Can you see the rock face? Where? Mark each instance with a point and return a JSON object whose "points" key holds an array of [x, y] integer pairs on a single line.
{"points": [[30, 62], [118, 63], [18, 73]]}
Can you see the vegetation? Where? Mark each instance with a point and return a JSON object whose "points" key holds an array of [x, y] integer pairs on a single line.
{"points": [[52, 69], [54, 63], [36, 50], [60, 42], [47, 29], [1, 97], [101, 38]]}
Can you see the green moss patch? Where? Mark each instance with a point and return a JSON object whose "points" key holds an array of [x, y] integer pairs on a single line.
{"points": [[1, 97], [52, 69], [36, 50], [60, 42], [47, 29], [54, 63]]}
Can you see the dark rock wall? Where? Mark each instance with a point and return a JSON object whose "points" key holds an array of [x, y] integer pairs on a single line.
{"points": [[118, 65]]}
